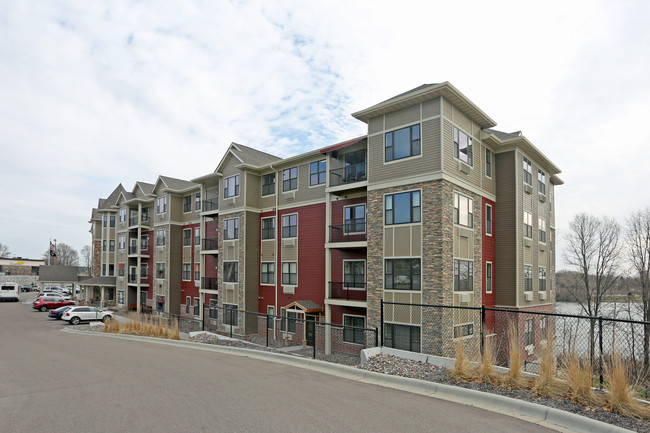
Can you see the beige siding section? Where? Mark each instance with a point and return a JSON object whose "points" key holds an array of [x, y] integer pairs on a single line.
{"points": [[507, 223], [451, 164], [403, 241], [253, 190], [305, 192], [488, 183], [431, 108], [252, 268], [228, 170], [376, 124], [402, 117], [268, 250], [174, 247]]}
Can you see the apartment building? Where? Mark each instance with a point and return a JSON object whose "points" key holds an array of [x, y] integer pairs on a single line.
{"points": [[432, 206]]}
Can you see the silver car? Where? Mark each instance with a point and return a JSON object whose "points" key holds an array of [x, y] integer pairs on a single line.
{"points": [[76, 315]]}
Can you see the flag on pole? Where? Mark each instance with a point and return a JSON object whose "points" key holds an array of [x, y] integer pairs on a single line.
{"points": [[52, 249]]}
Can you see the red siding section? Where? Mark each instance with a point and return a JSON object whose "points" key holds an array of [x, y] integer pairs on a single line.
{"points": [[489, 255], [189, 288]]}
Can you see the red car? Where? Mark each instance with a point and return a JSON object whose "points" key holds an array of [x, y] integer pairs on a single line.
{"points": [[50, 303]]}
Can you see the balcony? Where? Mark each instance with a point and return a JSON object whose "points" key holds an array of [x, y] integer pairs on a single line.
{"points": [[208, 283], [210, 205], [211, 244], [349, 174], [133, 221], [348, 291], [133, 278], [133, 249], [354, 231]]}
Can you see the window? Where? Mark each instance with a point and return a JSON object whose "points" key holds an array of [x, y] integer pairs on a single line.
{"points": [[111, 246], [105, 222], [463, 146], [187, 204], [144, 242], [120, 269], [270, 312], [268, 184], [403, 208], [528, 278], [230, 314], [160, 270], [403, 143], [268, 228], [488, 277], [463, 275], [197, 235], [160, 303], [541, 181], [350, 334], [144, 270], [160, 237], [187, 271], [543, 329], [292, 317], [112, 220], [268, 273], [121, 242], [463, 210], [290, 179], [402, 337], [197, 304], [528, 225], [354, 274], [290, 273], [290, 226], [197, 271], [161, 205], [488, 162], [542, 279], [355, 219], [529, 334], [463, 330], [230, 272], [188, 304], [104, 243], [542, 230], [317, 173], [187, 237], [122, 214], [528, 172], [120, 296], [402, 274], [488, 220], [111, 270], [231, 186], [197, 201], [231, 228], [214, 309], [145, 215]]}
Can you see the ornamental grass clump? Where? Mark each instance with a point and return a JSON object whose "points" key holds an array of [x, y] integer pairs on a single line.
{"points": [[485, 371], [514, 377], [621, 397], [578, 377], [462, 367], [546, 383], [146, 326]]}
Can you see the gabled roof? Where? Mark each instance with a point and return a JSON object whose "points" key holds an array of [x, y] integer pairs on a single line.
{"points": [[98, 281], [173, 184], [125, 196], [95, 215], [504, 135], [249, 156], [342, 145], [112, 199], [141, 189], [307, 306], [57, 274]]}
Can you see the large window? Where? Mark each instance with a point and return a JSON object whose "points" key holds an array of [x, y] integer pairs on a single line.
{"points": [[528, 278], [197, 271], [231, 229], [463, 210], [528, 171], [402, 337], [268, 184], [268, 273], [121, 242], [268, 228], [144, 270], [488, 277], [161, 204], [197, 235], [403, 143], [122, 214], [354, 274], [104, 243], [187, 271], [112, 220], [541, 181], [290, 273], [290, 226], [231, 186], [355, 219], [230, 272], [488, 162], [160, 237], [187, 237], [463, 146], [528, 225], [160, 270], [290, 179], [488, 220], [188, 304], [350, 334], [542, 230], [402, 274], [463, 275], [403, 208], [230, 314], [542, 279], [187, 204], [111, 246], [317, 173]]}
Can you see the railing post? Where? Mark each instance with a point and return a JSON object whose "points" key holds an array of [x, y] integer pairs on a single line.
{"points": [[376, 337], [381, 322], [482, 329], [267, 330], [600, 342], [230, 320], [314, 329]]}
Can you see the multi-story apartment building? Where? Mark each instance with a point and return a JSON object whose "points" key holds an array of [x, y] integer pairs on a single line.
{"points": [[431, 206]]}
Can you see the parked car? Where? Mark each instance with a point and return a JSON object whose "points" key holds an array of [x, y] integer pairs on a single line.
{"points": [[54, 294], [10, 292], [24, 289], [50, 303], [75, 315], [58, 313]]}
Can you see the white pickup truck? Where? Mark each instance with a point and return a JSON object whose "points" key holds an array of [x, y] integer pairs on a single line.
{"points": [[76, 315]]}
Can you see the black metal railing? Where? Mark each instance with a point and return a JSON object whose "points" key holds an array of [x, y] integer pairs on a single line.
{"points": [[349, 232], [209, 283], [210, 204], [349, 174], [211, 243], [348, 291]]}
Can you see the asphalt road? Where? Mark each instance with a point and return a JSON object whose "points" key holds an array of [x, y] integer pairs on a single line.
{"points": [[53, 381]]}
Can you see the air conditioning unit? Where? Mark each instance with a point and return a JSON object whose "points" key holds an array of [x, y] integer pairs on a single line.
{"points": [[542, 197], [465, 298], [528, 189], [464, 168], [542, 296], [289, 290], [229, 244], [528, 242], [542, 247], [528, 296], [289, 195], [229, 201], [289, 242], [530, 349]]}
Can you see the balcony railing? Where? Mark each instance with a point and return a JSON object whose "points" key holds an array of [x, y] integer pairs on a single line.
{"points": [[211, 244], [133, 221], [210, 204], [133, 278], [349, 232], [349, 174], [348, 291], [133, 249], [209, 283], [144, 248]]}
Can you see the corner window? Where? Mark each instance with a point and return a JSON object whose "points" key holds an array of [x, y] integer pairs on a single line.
{"points": [[488, 220], [231, 229], [187, 204], [542, 279], [268, 228], [355, 219], [463, 275], [488, 162], [268, 184], [290, 273], [187, 237], [144, 270], [529, 333], [403, 208], [353, 329], [230, 272], [121, 242], [231, 186], [542, 230], [528, 225], [488, 277], [197, 201], [541, 181], [105, 221], [111, 246], [403, 143], [528, 171], [290, 179], [317, 173], [268, 273], [402, 274], [528, 278], [290, 226], [160, 270], [161, 205], [463, 210], [104, 243], [188, 304], [197, 304], [463, 146]]}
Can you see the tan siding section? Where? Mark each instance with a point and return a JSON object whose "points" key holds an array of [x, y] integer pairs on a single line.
{"points": [[376, 124], [268, 250], [403, 241], [304, 193], [401, 117], [252, 264], [431, 108], [253, 190], [229, 170], [451, 163], [507, 230]]}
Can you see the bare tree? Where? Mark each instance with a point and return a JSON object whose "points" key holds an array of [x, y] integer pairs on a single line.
{"points": [[4, 250], [87, 258], [594, 253], [638, 246], [65, 256]]}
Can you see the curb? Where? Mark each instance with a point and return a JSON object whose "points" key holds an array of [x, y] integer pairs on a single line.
{"points": [[532, 412]]}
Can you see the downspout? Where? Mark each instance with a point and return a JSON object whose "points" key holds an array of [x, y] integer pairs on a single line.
{"points": [[277, 249]]}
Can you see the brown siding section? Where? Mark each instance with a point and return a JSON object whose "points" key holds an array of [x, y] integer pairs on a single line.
{"points": [[506, 224], [252, 264]]}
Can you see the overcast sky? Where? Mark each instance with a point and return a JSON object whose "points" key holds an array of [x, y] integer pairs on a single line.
{"points": [[93, 94]]}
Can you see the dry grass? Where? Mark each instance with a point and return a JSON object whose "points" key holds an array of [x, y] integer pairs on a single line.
{"points": [[578, 377], [485, 371], [145, 326], [514, 378], [546, 382], [621, 397], [462, 367]]}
